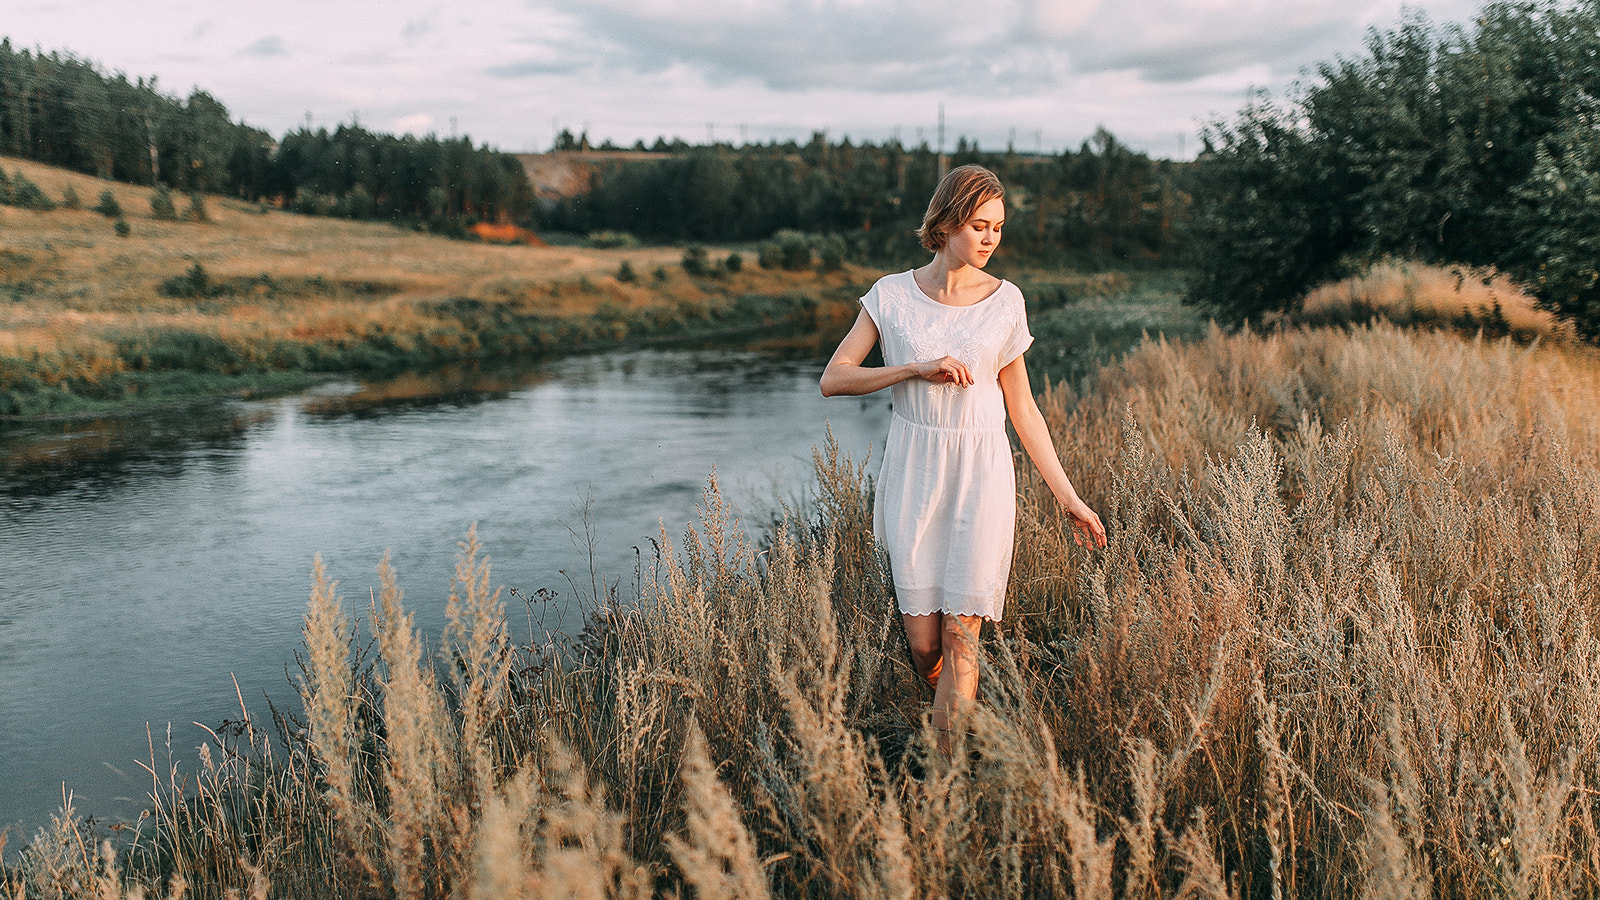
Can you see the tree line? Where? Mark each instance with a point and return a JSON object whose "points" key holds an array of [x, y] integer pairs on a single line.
{"points": [[1474, 146], [59, 109], [1103, 201]]}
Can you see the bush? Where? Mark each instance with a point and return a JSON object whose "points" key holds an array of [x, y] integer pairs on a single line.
{"points": [[733, 263], [174, 350], [121, 226], [626, 274], [831, 255], [196, 212], [70, 199], [794, 250], [769, 255], [660, 274], [161, 207], [695, 261], [108, 205], [27, 195], [192, 284]]}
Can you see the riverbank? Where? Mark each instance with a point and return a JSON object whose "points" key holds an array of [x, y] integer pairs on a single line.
{"points": [[255, 300]]}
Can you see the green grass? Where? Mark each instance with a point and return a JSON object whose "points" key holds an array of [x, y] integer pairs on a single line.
{"points": [[1081, 324]]}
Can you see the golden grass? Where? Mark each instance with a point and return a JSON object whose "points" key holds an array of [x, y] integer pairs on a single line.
{"points": [[1408, 292], [1345, 641], [70, 288]]}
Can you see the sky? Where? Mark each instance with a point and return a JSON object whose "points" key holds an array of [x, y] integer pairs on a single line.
{"points": [[1041, 75]]}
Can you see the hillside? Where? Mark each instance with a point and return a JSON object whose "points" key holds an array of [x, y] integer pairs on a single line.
{"points": [[278, 292]]}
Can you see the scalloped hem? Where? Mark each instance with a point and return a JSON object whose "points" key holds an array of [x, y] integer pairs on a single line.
{"points": [[986, 616]]}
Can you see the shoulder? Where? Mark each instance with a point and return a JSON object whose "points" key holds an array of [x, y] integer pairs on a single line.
{"points": [[890, 289], [1010, 297], [888, 283]]}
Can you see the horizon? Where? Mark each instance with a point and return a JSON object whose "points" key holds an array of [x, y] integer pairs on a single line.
{"points": [[1040, 77]]}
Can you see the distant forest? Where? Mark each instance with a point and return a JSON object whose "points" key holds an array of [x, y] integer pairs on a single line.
{"points": [[1103, 201], [58, 109]]}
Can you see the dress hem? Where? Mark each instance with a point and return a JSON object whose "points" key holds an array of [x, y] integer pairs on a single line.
{"points": [[955, 612]]}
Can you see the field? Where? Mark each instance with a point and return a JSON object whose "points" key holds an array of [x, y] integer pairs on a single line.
{"points": [[90, 320], [1342, 643]]}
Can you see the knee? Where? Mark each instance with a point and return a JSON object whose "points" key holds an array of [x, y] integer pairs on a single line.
{"points": [[926, 646]]}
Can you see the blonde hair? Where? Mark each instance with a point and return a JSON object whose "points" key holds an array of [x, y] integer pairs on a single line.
{"points": [[957, 197]]}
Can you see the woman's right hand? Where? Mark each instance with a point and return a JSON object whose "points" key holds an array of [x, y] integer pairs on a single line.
{"points": [[945, 370]]}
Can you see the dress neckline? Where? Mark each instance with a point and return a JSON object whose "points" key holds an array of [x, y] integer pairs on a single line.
{"points": [[917, 289]]}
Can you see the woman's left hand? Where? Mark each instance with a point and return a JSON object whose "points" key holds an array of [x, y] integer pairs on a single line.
{"points": [[1088, 530]]}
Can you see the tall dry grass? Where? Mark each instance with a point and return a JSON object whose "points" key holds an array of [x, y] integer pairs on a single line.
{"points": [[1413, 293], [1343, 643]]}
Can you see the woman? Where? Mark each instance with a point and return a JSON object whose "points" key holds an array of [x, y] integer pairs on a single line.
{"points": [[952, 338]]}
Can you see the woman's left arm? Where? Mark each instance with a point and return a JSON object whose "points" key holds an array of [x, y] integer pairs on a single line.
{"points": [[1025, 417]]}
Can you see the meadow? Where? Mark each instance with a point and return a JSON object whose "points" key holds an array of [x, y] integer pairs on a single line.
{"points": [[260, 299], [1343, 642]]}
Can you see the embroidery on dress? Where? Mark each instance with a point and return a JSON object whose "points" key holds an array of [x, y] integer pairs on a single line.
{"points": [[961, 337]]}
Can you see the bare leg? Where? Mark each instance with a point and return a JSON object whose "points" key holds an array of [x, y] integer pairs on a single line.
{"points": [[926, 636], [944, 649]]}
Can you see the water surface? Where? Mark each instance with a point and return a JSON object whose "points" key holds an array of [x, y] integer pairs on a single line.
{"points": [[146, 564]]}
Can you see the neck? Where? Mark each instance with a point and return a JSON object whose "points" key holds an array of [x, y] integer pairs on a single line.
{"points": [[950, 273]]}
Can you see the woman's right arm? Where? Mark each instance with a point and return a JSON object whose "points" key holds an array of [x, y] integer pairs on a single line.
{"points": [[845, 375]]}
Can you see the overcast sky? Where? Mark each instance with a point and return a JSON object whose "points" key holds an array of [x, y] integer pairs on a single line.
{"points": [[513, 73]]}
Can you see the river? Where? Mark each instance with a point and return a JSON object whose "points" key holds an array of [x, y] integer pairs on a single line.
{"points": [[148, 564]]}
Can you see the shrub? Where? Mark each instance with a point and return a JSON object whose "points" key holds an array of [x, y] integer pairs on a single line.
{"points": [[121, 226], [695, 261], [770, 255], [733, 263], [194, 283], [626, 274], [161, 207], [831, 256], [794, 250], [661, 274], [27, 195], [108, 205], [70, 199], [196, 211]]}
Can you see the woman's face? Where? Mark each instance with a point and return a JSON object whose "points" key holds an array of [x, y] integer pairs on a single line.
{"points": [[974, 242]]}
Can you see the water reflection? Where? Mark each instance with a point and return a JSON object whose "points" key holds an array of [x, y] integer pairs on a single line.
{"points": [[145, 563]]}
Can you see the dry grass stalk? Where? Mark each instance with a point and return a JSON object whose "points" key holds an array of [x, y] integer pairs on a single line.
{"points": [[1343, 642]]}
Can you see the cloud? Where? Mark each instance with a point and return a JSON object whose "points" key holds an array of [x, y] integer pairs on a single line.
{"points": [[417, 28], [1007, 47], [265, 47]]}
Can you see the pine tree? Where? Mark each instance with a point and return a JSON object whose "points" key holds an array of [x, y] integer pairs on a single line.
{"points": [[108, 205]]}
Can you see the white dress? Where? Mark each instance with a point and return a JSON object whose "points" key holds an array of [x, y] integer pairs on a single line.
{"points": [[947, 494]]}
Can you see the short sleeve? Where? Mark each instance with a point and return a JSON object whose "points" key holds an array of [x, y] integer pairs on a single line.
{"points": [[869, 302], [1019, 338]]}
